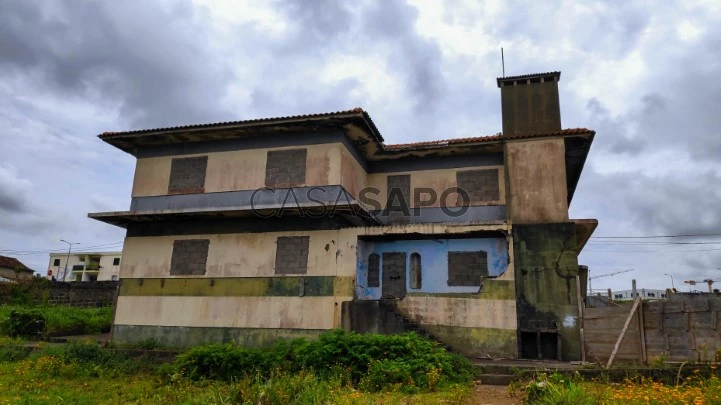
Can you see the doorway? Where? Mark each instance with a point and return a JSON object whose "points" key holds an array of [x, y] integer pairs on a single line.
{"points": [[394, 275]]}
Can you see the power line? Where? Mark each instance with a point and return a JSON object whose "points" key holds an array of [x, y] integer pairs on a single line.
{"points": [[631, 243], [690, 235], [12, 251], [651, 251]]}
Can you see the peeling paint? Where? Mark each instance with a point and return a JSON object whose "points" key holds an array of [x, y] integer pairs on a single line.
{"points": [[434, 262]]}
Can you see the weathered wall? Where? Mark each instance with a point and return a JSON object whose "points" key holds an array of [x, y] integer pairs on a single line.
{"points": [[43, 292], [438, 180], [233, 255], [238, 170], [684, 327], [546, 265], [434, 262], [240, 295], [536, 172], [353, 177], [12, 274], [86, 294]]}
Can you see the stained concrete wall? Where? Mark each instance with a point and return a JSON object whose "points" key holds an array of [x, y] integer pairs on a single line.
{"points": [[536, 172], [546, 266], [241, 297], [238, 170], [685, 327], [234, 255], [438, 180]]}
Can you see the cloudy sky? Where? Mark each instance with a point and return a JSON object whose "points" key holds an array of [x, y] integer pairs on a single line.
{"points": [[646, 79]]}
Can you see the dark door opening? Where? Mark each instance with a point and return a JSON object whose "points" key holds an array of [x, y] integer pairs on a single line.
{"points": [[540, 345], [394, 275]]}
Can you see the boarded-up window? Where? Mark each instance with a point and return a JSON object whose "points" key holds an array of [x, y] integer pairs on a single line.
{"points": [[398, 199], [374, 270], [189, 257], [416, 271], [479, 185], [187, 175], [285, 168], [467, 268], [291, 255]]}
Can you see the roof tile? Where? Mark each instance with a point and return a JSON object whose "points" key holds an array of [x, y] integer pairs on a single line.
{"points": [[489, 138], [12, 263]]}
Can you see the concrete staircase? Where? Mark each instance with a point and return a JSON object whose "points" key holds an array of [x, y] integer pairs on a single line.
{"points": [[408, 325], [504, 372]]}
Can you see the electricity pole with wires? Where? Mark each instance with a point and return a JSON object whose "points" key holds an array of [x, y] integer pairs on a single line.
{"points": [[67, 259]]}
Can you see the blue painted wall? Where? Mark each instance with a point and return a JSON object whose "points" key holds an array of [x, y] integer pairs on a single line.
{"points": [[434, 262]]}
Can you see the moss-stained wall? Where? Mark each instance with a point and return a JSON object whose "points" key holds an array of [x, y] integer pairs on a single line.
{"points": [[546, 265], [536, 172]]}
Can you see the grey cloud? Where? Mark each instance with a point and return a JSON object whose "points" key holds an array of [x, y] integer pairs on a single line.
{"points": [[154, 60], [385, 28], [13, 192], [612, 33], [653, 205], [419, 58]]}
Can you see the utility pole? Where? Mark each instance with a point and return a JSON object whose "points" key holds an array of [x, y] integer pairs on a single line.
{"points": [[672, 286], [67, 259]]}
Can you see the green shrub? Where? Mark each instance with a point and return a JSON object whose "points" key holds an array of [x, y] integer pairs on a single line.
{"points": [[558, 389], [391, 374], [64, 319], [12, 350], [374, 362], [29, 324], [283, 388]]}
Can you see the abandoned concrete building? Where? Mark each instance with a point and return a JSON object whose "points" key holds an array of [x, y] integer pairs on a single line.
{"points": [[288, 227]]}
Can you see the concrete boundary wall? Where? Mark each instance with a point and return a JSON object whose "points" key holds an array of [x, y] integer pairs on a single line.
{"points": [[686, 327]]}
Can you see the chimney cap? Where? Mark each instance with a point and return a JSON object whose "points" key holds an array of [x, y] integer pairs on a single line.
{"points": [[548, 75]]}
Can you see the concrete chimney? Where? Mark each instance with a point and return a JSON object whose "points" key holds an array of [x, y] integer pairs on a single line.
{"points": [[530, 104]]}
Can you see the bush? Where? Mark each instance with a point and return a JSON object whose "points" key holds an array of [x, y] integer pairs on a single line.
{"points": [[374, 362], [282, 388], [27, 324], [62, 319], [12, 350]]}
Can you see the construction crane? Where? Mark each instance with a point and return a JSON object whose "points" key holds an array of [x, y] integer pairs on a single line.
{"points": [[606, 275], [707, 281]]}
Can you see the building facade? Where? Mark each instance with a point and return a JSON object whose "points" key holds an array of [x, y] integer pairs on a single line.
{"points": [[644, 293], [11, 269], [84, 266], [287, 227]]}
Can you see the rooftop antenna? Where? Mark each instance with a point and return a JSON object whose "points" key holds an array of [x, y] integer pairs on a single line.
{"points": [[503, 63]]}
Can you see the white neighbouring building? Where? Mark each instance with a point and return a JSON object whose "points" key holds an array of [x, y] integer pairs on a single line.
{"points": [[84, 266], [644, 293]]}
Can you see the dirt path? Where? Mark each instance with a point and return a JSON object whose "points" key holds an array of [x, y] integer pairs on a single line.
{"points": [[493, 395]]}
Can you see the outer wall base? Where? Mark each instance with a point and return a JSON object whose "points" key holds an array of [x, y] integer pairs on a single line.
{"points": [[473, 342], [181, 336]]}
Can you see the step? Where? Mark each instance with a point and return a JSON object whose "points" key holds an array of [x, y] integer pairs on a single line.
{"points": [[497, 379]]}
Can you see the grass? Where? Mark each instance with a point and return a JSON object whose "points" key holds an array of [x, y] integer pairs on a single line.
{"points": [[559, 389], [82, 373], [59, 319]]}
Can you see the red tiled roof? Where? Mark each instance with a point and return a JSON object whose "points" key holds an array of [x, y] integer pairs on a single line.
{"points": [[360, 113], [13, 263], [357, 110], [490, 138]]}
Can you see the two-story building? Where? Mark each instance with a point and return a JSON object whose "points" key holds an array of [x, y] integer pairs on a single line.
{"points": [[84, 266], [287, 227]]}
